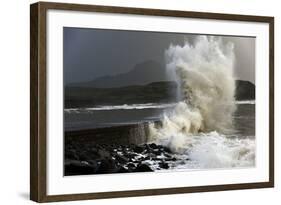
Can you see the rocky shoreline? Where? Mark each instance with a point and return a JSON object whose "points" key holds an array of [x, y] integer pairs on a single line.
{"points": [[91, 158]]}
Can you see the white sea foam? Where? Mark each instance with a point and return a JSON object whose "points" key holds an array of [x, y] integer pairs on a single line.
{"points": [[213, 150], [123, 107], [138, 106], [242, 102], [204, 73]]}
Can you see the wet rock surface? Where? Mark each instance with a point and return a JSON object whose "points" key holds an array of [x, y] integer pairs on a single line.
{"points": [[83, 159]]}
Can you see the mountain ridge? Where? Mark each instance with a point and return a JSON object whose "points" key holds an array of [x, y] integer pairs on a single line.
{"points": [[155, 92], [142, 73]]}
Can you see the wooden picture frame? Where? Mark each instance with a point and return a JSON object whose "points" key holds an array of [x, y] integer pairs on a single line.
{"points": [[38, 100]]}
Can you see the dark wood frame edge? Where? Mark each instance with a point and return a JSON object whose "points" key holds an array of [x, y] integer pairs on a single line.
{"points": [[37, 102], [38, 174]]}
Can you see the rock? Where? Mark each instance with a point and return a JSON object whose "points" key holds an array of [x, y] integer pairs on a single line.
{"points": [[157, 151], [157, 159], [93, 163], [143, 168], [104, 153], [71, 154], [78, 168], [121, 159], [106, 166], [100, 159], [85, 162], [147, 158], [130, 155], [131, 166], [84, 156], [111, 148], [167, 149], [138, 149], [164, 165], [151, 155], [122, 170], [92, 155], [153, 146], [94, 150], [171, 159], [167, 155]]}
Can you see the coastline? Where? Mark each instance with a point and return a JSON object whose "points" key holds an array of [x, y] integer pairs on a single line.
{"points": [[120, 149], [116, 135]]}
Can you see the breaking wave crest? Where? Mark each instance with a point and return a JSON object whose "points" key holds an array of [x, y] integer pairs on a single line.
{"points": [[200, 122], [123, 107], [204, 73]]}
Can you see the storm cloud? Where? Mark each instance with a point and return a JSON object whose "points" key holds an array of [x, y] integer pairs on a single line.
{"points": [[90, 54]]}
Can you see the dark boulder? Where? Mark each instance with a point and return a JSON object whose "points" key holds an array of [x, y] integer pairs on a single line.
{"points": [[143, 168], [75, 167], [153, 146], [157, 152], [121, 159], [138, 149], [131, 166], [166, 149], [104, 153], [71, 154], [122, 170], [164, 165], [84, 156], [106, 166], [130, 155]]}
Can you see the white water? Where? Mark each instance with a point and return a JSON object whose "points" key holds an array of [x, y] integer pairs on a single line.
{"points": [[198, 125], [123, 107], [252, 102], [213, 150], [137, 106]]}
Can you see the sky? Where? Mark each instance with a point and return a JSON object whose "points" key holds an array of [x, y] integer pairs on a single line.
{"points": [[93, 53]]}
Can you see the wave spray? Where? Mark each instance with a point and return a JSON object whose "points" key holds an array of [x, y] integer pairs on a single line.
{"points": [[204, 74]]}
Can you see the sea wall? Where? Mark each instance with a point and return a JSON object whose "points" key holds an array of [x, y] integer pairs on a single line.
{"points": [[117, 135]]}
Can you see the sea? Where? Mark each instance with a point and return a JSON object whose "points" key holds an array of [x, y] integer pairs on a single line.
{"points": [[193, 151]]}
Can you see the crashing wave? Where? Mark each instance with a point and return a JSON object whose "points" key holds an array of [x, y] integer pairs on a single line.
{"points": [[200, 122]]}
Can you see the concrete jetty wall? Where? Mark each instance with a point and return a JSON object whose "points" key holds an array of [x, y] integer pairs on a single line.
{"points": [[118, 135]]}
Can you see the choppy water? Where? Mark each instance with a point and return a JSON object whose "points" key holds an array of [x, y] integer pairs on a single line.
{"points": [[203, 150], [214, 149], [108, 116]]}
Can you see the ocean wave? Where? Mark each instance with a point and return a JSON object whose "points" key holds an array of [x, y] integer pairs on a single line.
{"points": [[210, 150], [199, 126], [139, 106], [123, 107], [242, 102]]}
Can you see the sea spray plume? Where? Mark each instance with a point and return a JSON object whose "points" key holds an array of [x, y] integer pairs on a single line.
{"points": [[204, 73]]}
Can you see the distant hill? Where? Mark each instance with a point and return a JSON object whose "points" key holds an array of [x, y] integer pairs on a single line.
{"points": [[245, 90], [143, 73], [156, 92]]}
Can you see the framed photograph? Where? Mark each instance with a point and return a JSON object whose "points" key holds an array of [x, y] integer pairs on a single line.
{"points": [[134, 102]]}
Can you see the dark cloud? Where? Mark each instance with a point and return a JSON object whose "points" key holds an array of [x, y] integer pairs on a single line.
{"points": [[93, 53], [244, 49]]}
